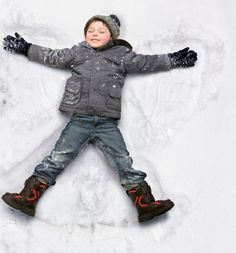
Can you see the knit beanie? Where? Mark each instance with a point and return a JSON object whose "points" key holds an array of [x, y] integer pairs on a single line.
{"points": [[112, 21]]}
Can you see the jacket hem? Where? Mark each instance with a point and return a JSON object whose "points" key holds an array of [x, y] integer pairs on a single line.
{"points": [[115, 115]]}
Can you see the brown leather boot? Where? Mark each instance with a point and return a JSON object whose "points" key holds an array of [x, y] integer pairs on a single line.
{"points": [[146, 205], [27, 199]]}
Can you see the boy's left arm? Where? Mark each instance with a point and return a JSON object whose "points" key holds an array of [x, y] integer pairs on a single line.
{"points": [[139, 63]]}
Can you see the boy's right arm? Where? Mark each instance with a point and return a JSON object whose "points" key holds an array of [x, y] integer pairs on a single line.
{"points": [[57, 58]]}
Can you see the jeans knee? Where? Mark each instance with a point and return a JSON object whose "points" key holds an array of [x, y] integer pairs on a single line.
{"points": [[60, 158], [124, 161]]}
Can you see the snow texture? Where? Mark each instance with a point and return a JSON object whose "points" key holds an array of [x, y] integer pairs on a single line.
{"points": [[179, 127]]}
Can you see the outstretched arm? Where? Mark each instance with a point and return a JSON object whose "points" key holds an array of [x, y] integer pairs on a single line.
{"points": [[56, 58], [139, 63]]}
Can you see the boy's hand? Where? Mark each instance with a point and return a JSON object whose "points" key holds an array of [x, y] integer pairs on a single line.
{"points": [[183, 58], [16, 44]]}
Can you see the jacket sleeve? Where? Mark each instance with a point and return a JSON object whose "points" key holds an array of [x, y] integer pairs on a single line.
{"points": [[56, 58], [139, 63]]}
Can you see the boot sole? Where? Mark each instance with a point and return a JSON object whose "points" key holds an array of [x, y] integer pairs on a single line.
{"points": [[160, 211], [15, 205]]}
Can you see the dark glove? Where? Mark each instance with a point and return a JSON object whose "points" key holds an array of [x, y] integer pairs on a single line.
{"points": [[183, 58], [16, 44]]}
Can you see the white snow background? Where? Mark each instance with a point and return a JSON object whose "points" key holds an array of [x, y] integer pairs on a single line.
{"points": [[179, 127]]}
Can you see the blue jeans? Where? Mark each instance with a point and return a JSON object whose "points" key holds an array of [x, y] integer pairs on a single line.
{"points": [[81, 130]]}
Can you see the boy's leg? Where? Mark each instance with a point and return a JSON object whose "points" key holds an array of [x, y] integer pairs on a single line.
{"points": [[75, 135], [110, 140], [72, 139]]}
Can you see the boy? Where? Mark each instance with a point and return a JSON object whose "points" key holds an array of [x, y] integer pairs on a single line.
{"points": [[99, 66]]}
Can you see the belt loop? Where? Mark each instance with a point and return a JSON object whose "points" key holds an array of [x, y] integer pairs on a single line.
{"points": [[96, 118]]}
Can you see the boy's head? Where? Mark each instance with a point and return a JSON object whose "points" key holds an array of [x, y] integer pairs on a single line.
{"points": [[100, 29]]}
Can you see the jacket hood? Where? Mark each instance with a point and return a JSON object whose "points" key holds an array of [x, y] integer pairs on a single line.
{"points": [[120, 42]]}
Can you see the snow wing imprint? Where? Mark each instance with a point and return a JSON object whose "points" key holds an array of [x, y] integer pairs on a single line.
{"points": [[29, 93], [169, 99]]}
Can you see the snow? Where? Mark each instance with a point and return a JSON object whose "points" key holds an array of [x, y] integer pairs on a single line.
{"points": [[179, 127]]}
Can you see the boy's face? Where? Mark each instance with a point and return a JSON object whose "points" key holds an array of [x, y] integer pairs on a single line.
{"points": [[97, 34]]}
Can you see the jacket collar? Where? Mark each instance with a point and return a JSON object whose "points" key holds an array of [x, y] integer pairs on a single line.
{"points": [[110, 44], [120, 42]]}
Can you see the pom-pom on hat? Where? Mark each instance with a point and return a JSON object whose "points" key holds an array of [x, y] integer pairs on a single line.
{"points": [[112, 21]]}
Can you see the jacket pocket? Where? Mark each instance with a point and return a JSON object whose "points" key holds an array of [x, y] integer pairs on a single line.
{"points": [[113, 59], [113, 98], [72, 92], [81, 58]]}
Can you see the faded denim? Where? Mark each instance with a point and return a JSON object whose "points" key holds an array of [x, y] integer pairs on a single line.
{"points": [[84, 129]]}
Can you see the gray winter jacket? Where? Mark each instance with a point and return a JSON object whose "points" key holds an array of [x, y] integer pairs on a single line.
{"points": [[97, 75]]}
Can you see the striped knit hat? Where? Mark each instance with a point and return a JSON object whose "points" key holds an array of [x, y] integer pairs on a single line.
{"points": [[112, 21]]}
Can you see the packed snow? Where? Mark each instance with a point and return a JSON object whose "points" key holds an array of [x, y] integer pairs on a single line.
{"points": [[179, 127]]}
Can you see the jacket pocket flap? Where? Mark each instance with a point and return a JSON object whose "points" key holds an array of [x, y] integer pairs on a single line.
{"points": [[81, 58], [114, 92], [113, 58]]}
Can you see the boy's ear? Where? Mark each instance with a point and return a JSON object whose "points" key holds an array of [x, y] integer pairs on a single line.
{"points": [[120, 42]]}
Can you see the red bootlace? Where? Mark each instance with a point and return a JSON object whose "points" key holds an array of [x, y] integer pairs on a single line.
{"points": [[139, 198], [36, 195]]}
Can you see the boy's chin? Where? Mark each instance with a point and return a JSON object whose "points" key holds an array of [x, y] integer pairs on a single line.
{"points": [[95, 45]]}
